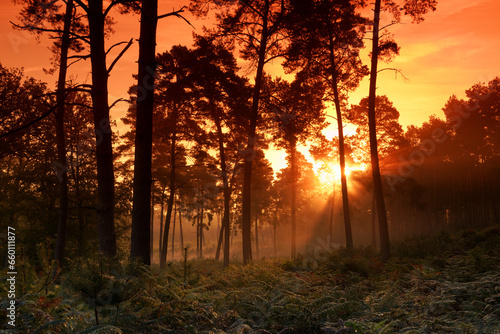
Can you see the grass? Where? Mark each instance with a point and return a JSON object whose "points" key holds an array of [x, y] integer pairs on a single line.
{"points": [[447, 283]]}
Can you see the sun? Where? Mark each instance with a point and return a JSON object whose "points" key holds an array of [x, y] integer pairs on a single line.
{"points": [[329, 174]]}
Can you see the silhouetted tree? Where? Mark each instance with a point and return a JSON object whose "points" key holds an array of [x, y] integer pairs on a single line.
{"points": [[326, 37], [297, 109], [256, 27], [380, 49]]}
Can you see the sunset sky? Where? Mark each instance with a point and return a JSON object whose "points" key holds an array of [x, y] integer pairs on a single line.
{"points": [[454, 48]]}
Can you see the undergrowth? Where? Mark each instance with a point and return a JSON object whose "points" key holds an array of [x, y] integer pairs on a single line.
{"points": [[447, 283]]}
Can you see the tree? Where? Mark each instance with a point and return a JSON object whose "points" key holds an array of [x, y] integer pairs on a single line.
{"points": [[305, 186], [297, 108], [256, 26], [34, 16], [390, 137], [380, 49], [222, 98], [175, 95], [29, 190], [140, 240], [326, 37]]}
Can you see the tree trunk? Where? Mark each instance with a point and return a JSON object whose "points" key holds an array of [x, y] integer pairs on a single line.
{"points": [[227, 194], [173, 232], [170, 201], [201, 233], [256, 237], [104, 144], [197, 224], [293, 167], [219, 243], [151, 223], [246, 230], [180, 231], [374, 222], [140, 241], [377, 180], [161, 222], [60, 136], [343, 178]]}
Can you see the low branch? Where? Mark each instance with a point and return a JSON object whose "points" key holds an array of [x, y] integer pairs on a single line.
{"points": [[8, 133], [57, 31]]}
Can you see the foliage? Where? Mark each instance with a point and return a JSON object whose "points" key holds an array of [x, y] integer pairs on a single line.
{"points": [[444, 283]]}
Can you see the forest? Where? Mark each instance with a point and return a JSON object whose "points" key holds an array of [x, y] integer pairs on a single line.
{"points": [[173, 219]]}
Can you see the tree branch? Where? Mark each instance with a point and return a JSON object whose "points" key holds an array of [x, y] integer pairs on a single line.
{"points": [[176, 13], [81, 4], [120, 55], [405, 79], [8, 133], [119, 100], [57, 31]]}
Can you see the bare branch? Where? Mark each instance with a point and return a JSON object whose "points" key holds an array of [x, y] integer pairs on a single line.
{"points": [[57, 31], [22, 127], [176, 13], [119, 100], [112, 46], [396, 70], [120, 55], [81, 4]]}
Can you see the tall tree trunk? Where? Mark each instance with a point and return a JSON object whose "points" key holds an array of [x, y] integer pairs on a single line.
{"points": [[227, 194], [343, 178], [151, 223], [170, 201], [256, 236], [197, 224], [104, 144], [201, 233], [219, 243], [246, 230], [293, 167], [161, 222], [374, 221], [140, 241], [180, 231], [60, 136], [377, 180], [173, 232]]}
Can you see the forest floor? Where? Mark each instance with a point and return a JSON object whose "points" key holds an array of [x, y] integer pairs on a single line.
{"points": [[447, 283]]}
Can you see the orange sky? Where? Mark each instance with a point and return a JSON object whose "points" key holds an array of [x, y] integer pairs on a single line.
{"points": [[454, 47]]}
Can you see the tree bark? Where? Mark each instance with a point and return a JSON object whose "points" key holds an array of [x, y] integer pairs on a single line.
{"points": [[60, 136], [377, 180], [141, 238], [104, 144]]}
